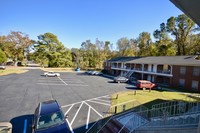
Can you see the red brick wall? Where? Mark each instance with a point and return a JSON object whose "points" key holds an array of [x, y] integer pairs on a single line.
{"points": [[188, 77]]}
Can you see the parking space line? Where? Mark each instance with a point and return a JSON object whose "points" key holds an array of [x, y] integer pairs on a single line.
{"points": [[102, 100], [62, 81], [55, 81], [94, 109], [77, 85], [98, 97], [70, 127], [76, 113], [69, 109], [69, 104], [88, 117], [106, 96], [48, 84], [99, 103], [73, 81]]}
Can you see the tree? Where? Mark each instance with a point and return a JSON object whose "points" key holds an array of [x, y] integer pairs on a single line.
{"points": [[164, 44], [193, 44], [89, 54], [16, 46], [181, 27], [127, 47], [103, 52], [144, 41], [49, 51], [76, 57], [2, 57], [134, 47]]}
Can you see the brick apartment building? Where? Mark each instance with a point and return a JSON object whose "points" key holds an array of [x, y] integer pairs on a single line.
{"points": [[175, 71]]}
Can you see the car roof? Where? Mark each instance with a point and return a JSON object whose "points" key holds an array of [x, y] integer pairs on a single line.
{"points": [[48, 107], [143, 81]]}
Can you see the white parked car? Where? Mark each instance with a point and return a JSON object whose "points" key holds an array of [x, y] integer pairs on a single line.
{"points": [[51, 74], [5, 127], [2, 67]]}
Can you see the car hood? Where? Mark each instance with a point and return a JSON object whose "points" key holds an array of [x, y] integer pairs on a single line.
{"points": [[63, 128]]}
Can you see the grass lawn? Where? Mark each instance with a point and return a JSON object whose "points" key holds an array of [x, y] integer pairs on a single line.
{"points": [[11, 71], [148, 99]]}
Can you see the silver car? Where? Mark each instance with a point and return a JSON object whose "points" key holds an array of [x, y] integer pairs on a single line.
{"points": [[120, 79]]}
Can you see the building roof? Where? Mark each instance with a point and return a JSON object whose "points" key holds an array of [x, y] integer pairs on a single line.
{"points": [[190, 7], [170, 60], [122, 59]]}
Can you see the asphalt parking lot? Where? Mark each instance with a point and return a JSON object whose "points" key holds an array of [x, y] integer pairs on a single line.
{"points": [[84, 98]]}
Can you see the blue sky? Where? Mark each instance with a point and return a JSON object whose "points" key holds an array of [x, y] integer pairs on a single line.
{"points": [[75, 21]]}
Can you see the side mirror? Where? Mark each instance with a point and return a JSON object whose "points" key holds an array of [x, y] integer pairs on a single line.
{"points": [[33, 126]]}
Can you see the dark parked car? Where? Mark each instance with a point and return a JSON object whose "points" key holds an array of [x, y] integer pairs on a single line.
{"points": [[49, 118], [120, 79]]}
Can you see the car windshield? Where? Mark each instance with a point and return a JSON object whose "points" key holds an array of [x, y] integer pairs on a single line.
{"points": [[47, 121]]}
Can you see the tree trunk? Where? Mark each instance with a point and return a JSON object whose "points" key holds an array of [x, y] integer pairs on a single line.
{"points": [[178, 49]]}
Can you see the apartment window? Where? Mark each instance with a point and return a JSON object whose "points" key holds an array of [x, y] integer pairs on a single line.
{"points": [[195, 85], [181, 82], [165, 67], [196, 71], [182, 70]]}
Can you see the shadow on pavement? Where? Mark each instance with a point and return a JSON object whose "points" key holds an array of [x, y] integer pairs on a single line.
{"points": [[22, 124]]}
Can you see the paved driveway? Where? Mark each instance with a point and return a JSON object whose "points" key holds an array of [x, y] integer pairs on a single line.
{"points": [[84, 98]]}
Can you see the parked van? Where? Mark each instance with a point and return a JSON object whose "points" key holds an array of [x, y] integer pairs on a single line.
{"points": [[145, 84]]}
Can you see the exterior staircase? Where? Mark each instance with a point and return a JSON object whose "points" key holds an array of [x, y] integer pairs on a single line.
{"points": [[113, 126], [175, 117]]}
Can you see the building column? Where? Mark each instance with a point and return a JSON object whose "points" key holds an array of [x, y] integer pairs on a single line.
{"points": [[171, 69], [155, 68], [149, 67], [153, 78], [149, 77]]}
